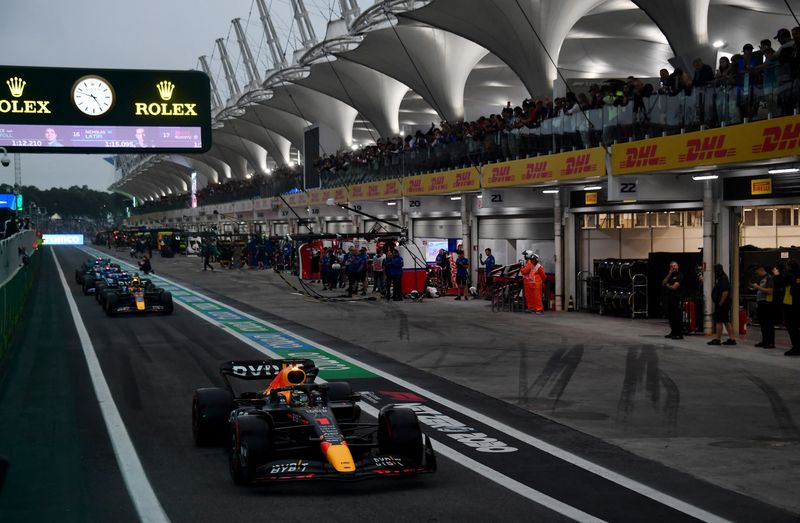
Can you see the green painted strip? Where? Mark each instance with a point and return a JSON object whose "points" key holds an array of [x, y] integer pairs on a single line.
{"points": [[261, 332]]}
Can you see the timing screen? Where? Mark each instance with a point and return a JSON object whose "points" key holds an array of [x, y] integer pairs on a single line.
{"points": [[81, 136]]}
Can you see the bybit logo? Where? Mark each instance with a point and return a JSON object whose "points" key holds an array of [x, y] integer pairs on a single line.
{"points": [[165, 89], [16, 86]]}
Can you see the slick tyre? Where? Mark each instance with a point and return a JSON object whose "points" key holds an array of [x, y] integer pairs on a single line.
{"points": [[211, 408], [166, 301], [110, 304], [250, 446], [339, 391], [399, 434], [88, 283]]}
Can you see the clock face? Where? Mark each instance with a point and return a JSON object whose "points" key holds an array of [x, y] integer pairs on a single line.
{"points": [[93, 95]]}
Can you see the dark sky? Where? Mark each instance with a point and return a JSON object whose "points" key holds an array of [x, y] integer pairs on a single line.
{"points": [[140, 34]]}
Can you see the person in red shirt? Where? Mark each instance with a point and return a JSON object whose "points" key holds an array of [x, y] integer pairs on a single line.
{"points": [[533, 277]]}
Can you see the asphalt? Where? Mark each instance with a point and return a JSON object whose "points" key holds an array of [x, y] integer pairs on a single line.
{"points": [[723, 414], [619, 397]]}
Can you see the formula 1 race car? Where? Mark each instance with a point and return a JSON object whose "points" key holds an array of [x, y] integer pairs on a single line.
{"points": [[137, 297], [88, 266], [295, 429], [98, 274], [112, 282]]}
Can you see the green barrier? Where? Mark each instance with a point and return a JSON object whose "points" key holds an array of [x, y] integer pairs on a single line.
{"points": [[13, 296]]}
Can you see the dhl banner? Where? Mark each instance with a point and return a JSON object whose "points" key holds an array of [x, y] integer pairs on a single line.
{"points": [[573, 165], [461, 180], [762, 140], [382, 190], [298, 198]]}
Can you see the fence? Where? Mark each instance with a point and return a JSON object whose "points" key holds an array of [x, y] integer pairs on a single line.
{"points": [[16, 281]]}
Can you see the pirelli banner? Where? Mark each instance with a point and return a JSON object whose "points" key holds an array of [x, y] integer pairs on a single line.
{"points": [[382, 190], [763, 140], [461, 180], [573, 165]]}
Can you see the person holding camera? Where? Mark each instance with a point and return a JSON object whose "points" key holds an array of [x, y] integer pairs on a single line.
{"points": [[765, 291], [673, 283]]}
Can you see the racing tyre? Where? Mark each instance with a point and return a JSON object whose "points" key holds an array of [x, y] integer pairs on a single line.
{"points": [[88, 283], [211, 408], [78, 274], [339, 391], [166, 301], [110, 304], [399, 434], [250, 446]]}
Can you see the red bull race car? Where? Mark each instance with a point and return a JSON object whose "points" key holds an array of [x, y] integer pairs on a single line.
{"points": [[138, 296], [296, 429]]}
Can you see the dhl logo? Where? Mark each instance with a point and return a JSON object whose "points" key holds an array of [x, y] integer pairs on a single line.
{"points": [[579, 165], [414, 186], [357, 191], [644, 156], [537, 171], [501, 174], [706, 149], [464, 179], [391, 189], [778, 139], [438, 183], [373, 190], [341, 195]]}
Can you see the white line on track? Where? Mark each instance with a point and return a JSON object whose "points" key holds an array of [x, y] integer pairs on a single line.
{"points": [[569, 457], [442, 449], [139, 488]]}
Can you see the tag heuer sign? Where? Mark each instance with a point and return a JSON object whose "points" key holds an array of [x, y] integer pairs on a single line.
{"points": [[761, 186]]}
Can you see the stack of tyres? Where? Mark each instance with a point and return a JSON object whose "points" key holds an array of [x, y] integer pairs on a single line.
{"points": [[617, 294]]}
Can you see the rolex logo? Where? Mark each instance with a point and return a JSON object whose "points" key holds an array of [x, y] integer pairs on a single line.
{"points": [[165, 88], [16, 85]]}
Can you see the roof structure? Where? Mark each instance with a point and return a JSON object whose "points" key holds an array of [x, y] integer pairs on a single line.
{"points": [[402, 64]]}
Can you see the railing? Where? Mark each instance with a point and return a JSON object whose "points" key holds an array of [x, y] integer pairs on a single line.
{"points": [[726, 103], [638, 119], [11, 253]]}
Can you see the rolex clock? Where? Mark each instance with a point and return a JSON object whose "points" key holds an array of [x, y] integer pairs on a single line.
{"points": [[93, 95]]}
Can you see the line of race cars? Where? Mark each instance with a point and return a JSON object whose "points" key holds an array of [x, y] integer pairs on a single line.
{"points": [[299, 429], [119, 292]]}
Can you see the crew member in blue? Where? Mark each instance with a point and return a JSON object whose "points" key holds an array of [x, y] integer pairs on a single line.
{"points": [[395, 271], [462, 274], [488, 265]]}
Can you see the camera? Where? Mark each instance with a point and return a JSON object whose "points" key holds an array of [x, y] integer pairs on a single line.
{"points": [[6, 161]]}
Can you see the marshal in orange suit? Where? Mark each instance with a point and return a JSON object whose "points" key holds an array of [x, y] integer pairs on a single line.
{"points": [[533, 278]]}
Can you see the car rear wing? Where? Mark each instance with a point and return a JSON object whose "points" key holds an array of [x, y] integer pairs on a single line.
{"points": [[265, 369]]}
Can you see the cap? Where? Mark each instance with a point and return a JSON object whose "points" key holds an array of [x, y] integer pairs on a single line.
{"points": [[782, 31]]}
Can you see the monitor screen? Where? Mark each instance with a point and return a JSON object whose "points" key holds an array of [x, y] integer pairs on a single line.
{"points": [[113, 137]]}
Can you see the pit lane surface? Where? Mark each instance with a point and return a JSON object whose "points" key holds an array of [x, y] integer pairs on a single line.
{"points": [[152, 363]]}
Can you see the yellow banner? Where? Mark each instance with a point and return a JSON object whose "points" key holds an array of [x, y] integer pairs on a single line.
{"points": [[461, 180], [763, 140], [376, 190], [573, 165], [295, 199]]}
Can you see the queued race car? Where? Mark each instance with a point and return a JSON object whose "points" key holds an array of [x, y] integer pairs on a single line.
{"points": [[295, 429], [89, 266], [136, 297], [98, 274], [113, 281]]}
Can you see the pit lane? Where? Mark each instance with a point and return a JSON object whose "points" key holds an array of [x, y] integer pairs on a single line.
{"points": [[152, 363]]}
